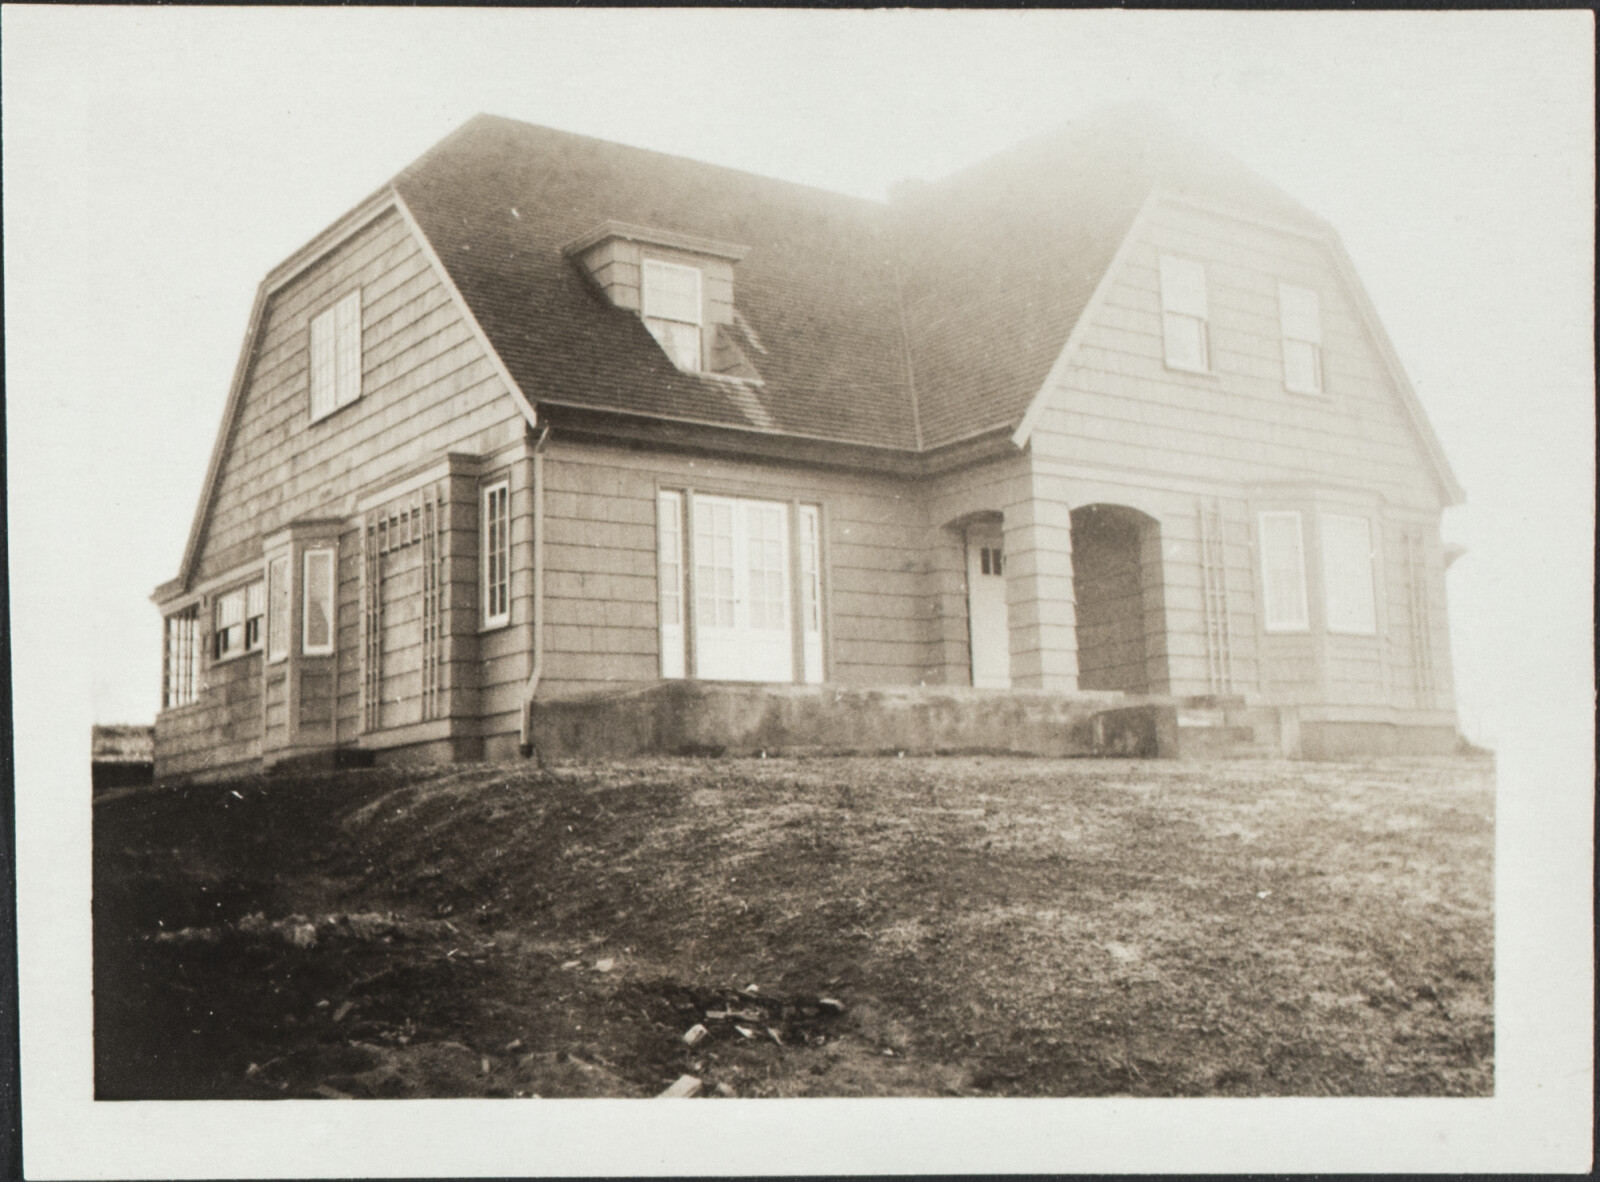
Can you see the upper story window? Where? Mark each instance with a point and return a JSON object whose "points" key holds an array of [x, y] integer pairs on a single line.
{"points": [[1301, 316], [672, 309], [1183, 314], [1283, 573], [238, 620], [336, 356]]}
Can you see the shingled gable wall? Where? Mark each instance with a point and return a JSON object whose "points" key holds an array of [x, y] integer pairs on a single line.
{"points": [[1119, 427]]}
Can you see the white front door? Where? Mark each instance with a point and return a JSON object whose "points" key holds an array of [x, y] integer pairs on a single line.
{"points": [[741, 589], [986, 607]]}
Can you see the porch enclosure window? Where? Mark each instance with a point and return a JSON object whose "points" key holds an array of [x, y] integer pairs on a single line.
{"points": [[317, 626], [1301, 319], [497, 555], [1347, 574], [1183, 314], [671, 308], [238, 619], [278, 609], [747, 623], [336, 356], [1283, 573], [181, 658]]}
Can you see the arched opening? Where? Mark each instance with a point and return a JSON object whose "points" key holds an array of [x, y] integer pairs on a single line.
{"points": [[1116, 580]]}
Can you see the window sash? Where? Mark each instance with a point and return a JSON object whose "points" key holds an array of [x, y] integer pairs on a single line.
{"points": [[278, 609], [1300, 313], [317, 626], [1347, 568], [681, 342], [1283, 573], [811, 592], [1302, 367], [497, 554], [181, 659], [670, 291], [1187, 346], [335, 365], [670, 579], [1183, 287]]}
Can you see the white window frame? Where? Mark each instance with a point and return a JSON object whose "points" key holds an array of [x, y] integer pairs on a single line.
{"points": [[1184, 305], [1349, 567], [810, 542], [660, 324], [181, 663], [279, 594], [1273, 616], [308, 595], [494, 566], [1300, 318], [334, 369], [671, 583], [239, 598]]}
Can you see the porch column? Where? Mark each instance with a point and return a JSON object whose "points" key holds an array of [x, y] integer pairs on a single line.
{"points": [[1039, 599]]}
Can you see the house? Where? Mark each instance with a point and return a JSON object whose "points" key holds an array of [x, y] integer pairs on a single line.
{"points": [[545, 416]]}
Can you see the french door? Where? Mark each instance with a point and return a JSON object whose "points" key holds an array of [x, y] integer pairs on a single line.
{"points": [[742, 616]]}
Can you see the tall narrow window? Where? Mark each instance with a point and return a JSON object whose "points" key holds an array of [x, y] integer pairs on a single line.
{"points": [[336, 356], [255, 611], [670, 304], [318, 593], [1283, 573], [1183, 314], [1347, 575], [496, 555], [278, 609], [669, 574], [181, 660], [811, 592], [764, 538], [713, 563], [1301, 317]]}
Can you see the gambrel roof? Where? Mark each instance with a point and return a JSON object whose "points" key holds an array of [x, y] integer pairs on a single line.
{"points": [[896, 327]]}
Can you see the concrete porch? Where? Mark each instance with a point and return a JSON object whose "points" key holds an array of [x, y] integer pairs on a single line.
{"points": [[736, 718]]}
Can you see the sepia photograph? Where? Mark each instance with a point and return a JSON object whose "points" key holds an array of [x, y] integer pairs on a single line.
{"points": [[864, 567]]}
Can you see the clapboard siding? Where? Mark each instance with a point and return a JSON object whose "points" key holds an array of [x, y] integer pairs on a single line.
{"points": [[600, 563], [427, 387], [222, 728]]}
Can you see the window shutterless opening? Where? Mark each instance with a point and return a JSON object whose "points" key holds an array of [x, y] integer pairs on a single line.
{"points": [[496, 564], [237, 619], [278, 593], [670, 303], [336, 356], [317, 590]]}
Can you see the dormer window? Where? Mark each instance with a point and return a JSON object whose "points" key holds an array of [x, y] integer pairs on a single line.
{"points": [[672, 309]]}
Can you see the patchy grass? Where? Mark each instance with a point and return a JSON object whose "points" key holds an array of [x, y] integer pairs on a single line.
{"points": [[990, 926]]}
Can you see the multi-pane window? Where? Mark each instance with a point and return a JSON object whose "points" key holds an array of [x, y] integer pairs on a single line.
{"points": [[670, 304], [1283, 573], [764, 540], [811, 592], [991, 560], [669, 574], [1183, 314], [713, 564], [336, 356], [497, 554], [181, 658], [1300, 314], [318, 593], [278, 608], [1347, 575], [237, 620]]}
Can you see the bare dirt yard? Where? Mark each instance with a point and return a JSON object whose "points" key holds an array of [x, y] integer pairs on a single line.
{"points": [[834, 926]]}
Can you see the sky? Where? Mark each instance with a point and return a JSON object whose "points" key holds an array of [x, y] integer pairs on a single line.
{"points": [[158, 162]]}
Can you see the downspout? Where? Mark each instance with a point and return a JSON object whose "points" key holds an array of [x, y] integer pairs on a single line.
{"points": [[525, 745]]}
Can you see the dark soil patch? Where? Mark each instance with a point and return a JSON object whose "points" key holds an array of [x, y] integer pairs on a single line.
{"points": [[977, 926]]}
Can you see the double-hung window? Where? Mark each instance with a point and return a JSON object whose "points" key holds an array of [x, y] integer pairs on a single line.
{"points": [[238, 618], [497, 554], [318, 593], [1301, 317], [181, 658], [1347, 575], [1283, 573], [1183, 314], [671, 306], [336, 356]]}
